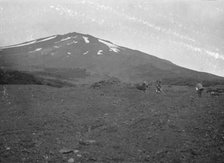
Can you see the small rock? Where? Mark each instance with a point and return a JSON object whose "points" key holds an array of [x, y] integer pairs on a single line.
{"points": [[79, 155], [91, 141], [71, 160], [106, 114], [7, 148], [87, 142], [76, 151], [66, 151]]}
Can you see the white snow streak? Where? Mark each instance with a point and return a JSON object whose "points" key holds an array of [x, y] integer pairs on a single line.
{"points": [[38, 49], [48, 38], [64, 39], [86, 39], [18, 45], [28, 43], [100, 52], [112, 47], [73, 42], [86, 53]]}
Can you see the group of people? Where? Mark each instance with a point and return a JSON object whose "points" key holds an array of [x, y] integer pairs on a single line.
{"points": [[158, 85]]}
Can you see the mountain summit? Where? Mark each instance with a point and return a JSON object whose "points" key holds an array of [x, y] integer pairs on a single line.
{"points": [[81, 58]]}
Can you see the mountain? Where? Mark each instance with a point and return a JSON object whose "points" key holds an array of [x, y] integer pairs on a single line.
{"points": [[79, 58]]}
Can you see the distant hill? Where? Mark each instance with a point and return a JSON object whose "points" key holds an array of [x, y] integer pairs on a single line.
{"points": [[79, 58]]}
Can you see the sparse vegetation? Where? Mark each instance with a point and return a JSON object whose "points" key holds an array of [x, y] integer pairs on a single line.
{"points": [[63, 73], [191, 81], [124, 125], [17, 77], [103, 83], [13, 77]]}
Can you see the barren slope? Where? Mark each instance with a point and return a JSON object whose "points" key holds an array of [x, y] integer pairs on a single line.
{"points": [[113, 123]]}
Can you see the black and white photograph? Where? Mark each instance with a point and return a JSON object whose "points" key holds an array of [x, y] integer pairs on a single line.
{"points": [[111, 81]]}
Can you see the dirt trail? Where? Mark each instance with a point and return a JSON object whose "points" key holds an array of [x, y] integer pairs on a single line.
{"points": [[110, 124]]}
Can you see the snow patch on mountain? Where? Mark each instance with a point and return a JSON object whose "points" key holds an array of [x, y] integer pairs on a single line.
{"points": [[36, 50], [64, 39], [73, 42], [112, 46], [18, 45], [47, 38], [86, 53], [28, 43], [100, 52], [86, 39]]}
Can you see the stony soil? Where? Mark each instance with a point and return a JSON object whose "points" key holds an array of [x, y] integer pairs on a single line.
{"points": [[109, 124]]}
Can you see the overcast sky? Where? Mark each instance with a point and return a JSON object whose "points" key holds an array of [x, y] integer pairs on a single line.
{"points": [[188, 33]]}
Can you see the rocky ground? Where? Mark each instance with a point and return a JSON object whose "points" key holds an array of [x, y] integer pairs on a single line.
{"points": [[109, 123]]}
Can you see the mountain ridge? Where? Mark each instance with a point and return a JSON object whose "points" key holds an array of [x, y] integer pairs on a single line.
{"points": [[97, 59]]}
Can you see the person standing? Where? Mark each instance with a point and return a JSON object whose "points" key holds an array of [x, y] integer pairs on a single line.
{"points": [[158, 86], [199, 88]]}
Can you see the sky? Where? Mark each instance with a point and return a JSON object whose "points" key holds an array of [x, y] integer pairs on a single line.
{"points": [[189, 33]]}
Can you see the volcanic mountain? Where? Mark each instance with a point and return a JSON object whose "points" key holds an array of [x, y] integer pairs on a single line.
{"points": [[79, 58]]}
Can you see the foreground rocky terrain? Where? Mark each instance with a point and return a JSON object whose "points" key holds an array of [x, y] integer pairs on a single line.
{"points": [[112, 122]]}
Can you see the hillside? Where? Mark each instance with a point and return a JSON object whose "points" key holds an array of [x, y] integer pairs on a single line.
{"points": [[80, 58]]}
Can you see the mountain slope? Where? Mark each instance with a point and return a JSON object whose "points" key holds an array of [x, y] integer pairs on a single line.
{"points": [[81, 58]]}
